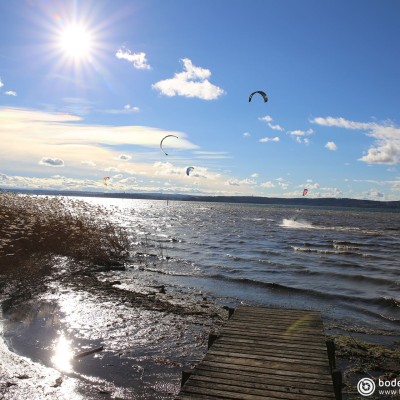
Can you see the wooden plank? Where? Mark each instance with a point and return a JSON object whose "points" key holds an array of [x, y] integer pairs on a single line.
{"points": [[268, 336], [261, 377], [284, 387], [265, 353], [266, 371], [273, 342], [283, 366], [271, 353], [270, 350], [228, 374], [290, 328], [268, 358], [238, 392]]}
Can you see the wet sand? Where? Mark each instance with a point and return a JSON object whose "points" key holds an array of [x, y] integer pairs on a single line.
{"points": [[149, 333]]}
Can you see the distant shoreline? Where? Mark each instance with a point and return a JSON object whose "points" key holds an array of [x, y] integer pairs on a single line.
{"points": [[300, 201]]}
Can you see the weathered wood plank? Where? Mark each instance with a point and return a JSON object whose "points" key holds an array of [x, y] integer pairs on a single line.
{"points": [[250, 379], [238, 392], [283, 329], [237, 375], [319, 347], [268, 336], [283, 366], [265, 353], [284, 389], [266, 371], [267, 357], [271, 350]]}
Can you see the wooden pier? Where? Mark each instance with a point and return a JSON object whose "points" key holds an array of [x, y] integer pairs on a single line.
{"points": [[266, 353]]}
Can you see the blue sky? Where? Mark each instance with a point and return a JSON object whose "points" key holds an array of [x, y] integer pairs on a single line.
{"points": [[89, 88]]}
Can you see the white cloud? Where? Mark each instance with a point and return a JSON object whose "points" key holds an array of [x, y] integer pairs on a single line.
{"points": [[386, 148], [1, 83], [299, 135], [268, 119], [341, 123], [268, 185], [127, 109], [10, 93], [170, 170], [276, 127], [331, 146], [192, 82], [310, 186], [255, 175], [51, 162], [283, 185], [246, 134], [138, 60], [129, 181], [299, 132], [166, 168], [247, 181], [269, 139], [54, 131], [240, 182]]}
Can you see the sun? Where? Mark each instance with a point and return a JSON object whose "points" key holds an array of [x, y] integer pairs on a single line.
{"points": [[76, 42]]}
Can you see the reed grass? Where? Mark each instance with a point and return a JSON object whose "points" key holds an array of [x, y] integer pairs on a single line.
{"points": [[35, 229]]}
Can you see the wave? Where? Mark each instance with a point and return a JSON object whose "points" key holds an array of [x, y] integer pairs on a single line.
{"points": [[357, 278], [345, 247], [294, 224], [372, 305], [302, 224], [332, 251]]}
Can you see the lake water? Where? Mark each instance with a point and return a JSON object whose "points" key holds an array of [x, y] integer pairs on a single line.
{"points": [[343, 262]]}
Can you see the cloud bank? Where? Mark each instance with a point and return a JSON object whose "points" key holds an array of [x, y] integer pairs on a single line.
{"points": [[385, 149]]}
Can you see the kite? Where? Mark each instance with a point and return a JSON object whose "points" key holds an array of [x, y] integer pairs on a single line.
{"points": [[189, 170], [305, 191], [163, 140], [105, 179], [263, 94]]}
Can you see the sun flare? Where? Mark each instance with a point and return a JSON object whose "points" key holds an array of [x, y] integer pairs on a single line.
{"points": [[76, 42]]}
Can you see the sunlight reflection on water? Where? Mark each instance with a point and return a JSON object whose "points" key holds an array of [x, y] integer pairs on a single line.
{"points": [[62, 354]]}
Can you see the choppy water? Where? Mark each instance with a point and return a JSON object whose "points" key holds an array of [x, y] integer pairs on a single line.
{"points": [[344, 262]]}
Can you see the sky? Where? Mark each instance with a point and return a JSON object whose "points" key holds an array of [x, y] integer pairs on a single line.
{"points": [[88, 89]]}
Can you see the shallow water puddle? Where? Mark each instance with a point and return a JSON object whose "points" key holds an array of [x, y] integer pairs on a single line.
{"points": [[140, 353]]}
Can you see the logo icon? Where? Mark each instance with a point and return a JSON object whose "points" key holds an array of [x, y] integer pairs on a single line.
{"points": [[366, 386]]}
